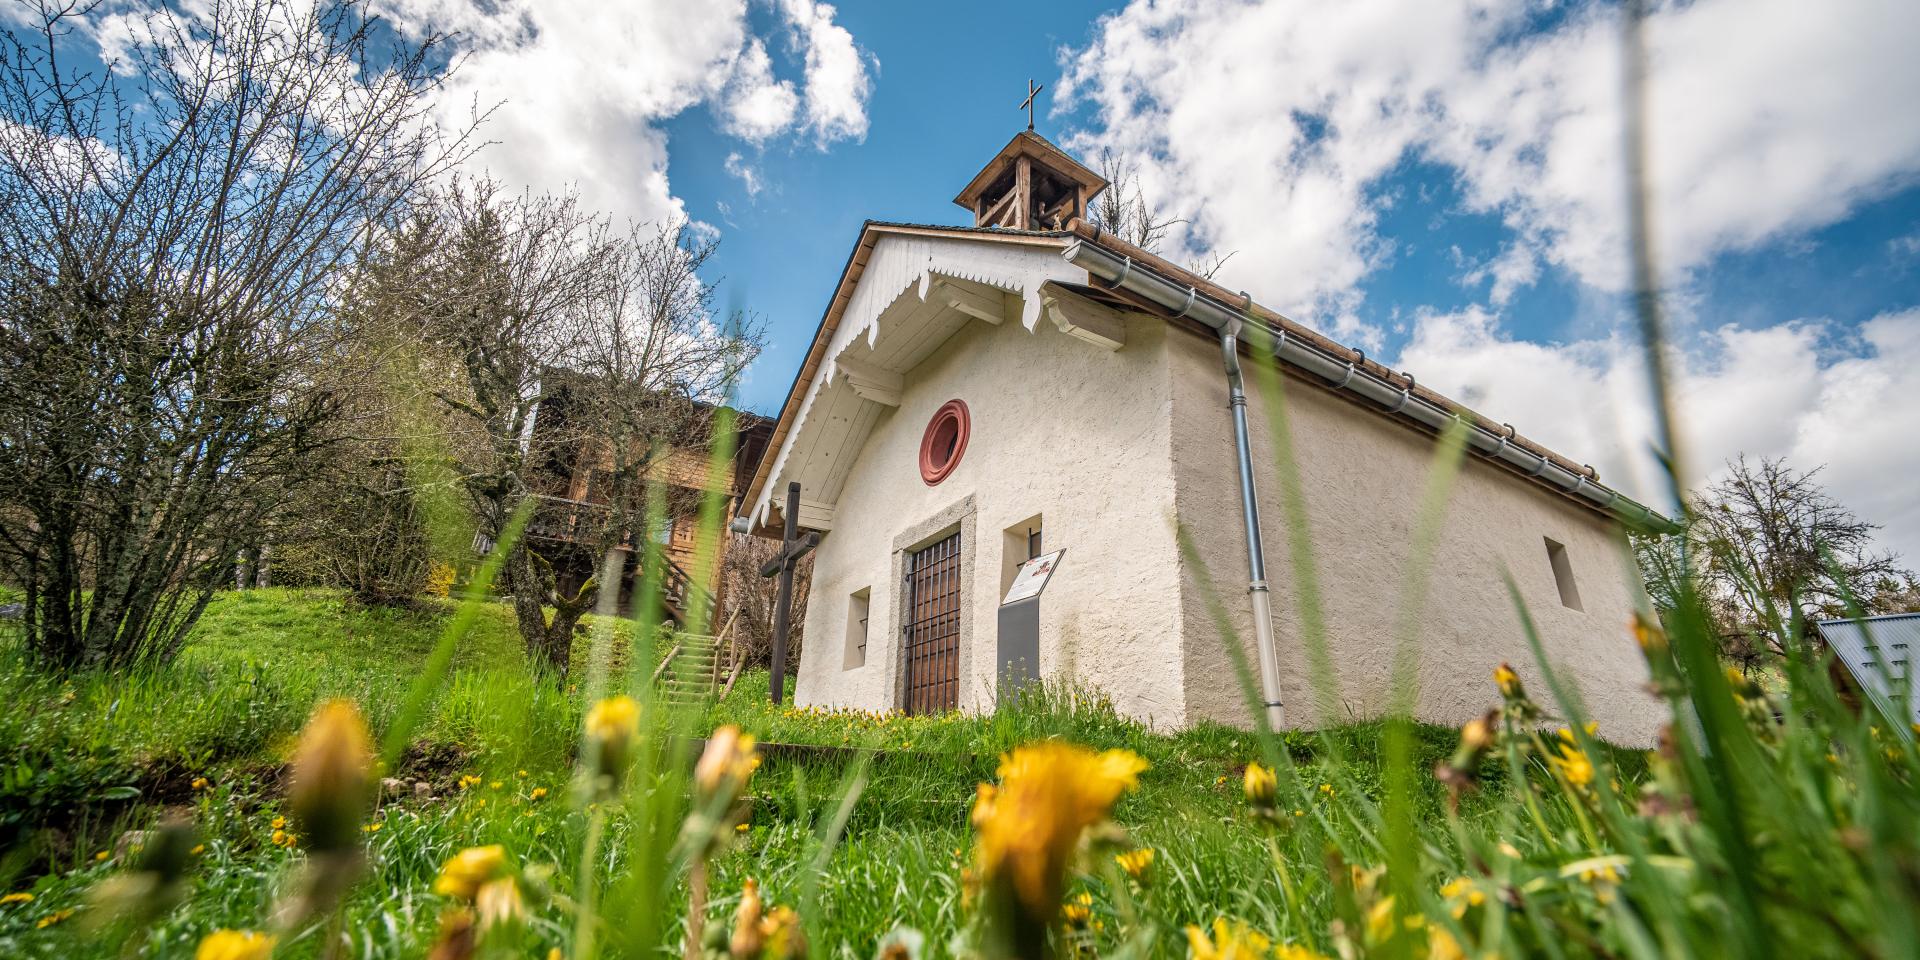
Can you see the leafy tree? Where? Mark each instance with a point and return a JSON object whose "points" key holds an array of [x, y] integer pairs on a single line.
{"points": [[1766, 544]]}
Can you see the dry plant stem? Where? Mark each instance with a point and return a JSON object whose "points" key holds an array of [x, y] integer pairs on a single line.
{"points": [[586, 919], [696, 907]]}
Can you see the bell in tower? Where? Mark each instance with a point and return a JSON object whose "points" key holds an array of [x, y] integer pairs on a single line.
{"points": [[1030, 185]]}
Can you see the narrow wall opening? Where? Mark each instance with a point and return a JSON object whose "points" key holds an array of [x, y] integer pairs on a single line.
{"points": [[1563, 574], [858, 605]]}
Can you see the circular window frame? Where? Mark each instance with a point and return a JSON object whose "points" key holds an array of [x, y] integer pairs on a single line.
{"points": [[953, 413]]}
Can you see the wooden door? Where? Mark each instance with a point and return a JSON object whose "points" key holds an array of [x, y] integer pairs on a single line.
{"points": [[931, 634]]}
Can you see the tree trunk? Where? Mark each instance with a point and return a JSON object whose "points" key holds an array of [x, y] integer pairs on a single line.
{"points": [[549, 642]]}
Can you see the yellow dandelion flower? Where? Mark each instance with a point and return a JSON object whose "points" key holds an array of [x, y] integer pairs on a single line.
{"points": [[537, 793], [1294, 951], [1230, 941], [198, 849], [1049, 794], [466, 872], [1506, 680], [742, 828], [373, 827], [1135, 862], [278, 823], [234, 945], [101, 857], [1259, 785], [495, 785], [613, 725], [199, 783], [1574, 766], [16, 898], [1076, 914], [53, 918], [1462, 894]]}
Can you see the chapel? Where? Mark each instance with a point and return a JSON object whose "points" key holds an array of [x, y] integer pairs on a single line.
{"points": [[1033, 451]]}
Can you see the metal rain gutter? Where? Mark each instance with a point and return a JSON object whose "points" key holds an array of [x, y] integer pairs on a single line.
{"points": [[1346, 375]]}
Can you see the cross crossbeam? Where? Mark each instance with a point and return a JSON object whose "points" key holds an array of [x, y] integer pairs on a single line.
{"points": [[1027, 104]]}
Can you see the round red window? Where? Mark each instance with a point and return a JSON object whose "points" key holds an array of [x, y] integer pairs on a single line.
{"points": [[945, 441]]}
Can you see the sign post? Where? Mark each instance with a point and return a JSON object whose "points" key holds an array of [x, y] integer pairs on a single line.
{"points": [[1019, 642]]}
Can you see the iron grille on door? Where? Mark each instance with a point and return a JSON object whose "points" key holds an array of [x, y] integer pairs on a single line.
{"points": [[932, 630]]}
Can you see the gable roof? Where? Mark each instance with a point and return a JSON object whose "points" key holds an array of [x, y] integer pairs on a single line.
{"points": [[1864, 645], [870, 233], [1585, 488]]}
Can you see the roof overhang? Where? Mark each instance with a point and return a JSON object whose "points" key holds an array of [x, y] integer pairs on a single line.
{"points": [[1156, 286]]}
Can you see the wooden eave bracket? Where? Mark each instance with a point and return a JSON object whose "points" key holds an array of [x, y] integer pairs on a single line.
{"points": [[815, 515], [870, 382], [964, 298], [1082, 318]]}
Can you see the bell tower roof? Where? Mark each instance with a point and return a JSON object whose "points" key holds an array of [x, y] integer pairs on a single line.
{"points": [[1030, 185]]}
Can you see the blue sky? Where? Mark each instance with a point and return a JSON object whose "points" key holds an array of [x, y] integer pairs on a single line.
{"points": [[943, 103], [1438, 182]]}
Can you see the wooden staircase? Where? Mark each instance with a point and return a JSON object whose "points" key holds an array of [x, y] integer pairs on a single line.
{"points": [[688, 675]]}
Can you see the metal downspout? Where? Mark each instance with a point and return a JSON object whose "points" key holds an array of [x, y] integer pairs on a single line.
{"points": [[1257, 594]]}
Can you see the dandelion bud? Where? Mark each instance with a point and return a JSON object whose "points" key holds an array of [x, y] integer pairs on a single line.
{"points": [[1477, 735], [1647, 633], [747, 936], [498, 902], [457, 937], [983, 798], [234, 945], [782, 938], [727, 763], [466, 872], [332, 778], [613, 729], [1260, 785]]}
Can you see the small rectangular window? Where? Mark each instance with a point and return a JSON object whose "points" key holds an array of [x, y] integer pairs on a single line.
{"points": [[1563, 574], [1018, 544], [857, 606]]}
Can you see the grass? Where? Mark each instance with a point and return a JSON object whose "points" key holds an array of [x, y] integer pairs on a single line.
{"points": [[93, 756]]}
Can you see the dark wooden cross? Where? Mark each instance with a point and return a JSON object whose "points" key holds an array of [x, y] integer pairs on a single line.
{"points": [[1027, 104], [792, 548]]}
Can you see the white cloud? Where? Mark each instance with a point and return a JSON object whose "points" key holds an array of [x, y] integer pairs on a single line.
{"points": [[755, 106], [1270, 125], [749, 177], [582, 87], [837, 81], [1801, 390], [1514, 269]]}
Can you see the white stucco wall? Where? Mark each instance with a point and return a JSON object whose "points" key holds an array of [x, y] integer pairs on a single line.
{"points": [[1060, 428], [1363, 477]]}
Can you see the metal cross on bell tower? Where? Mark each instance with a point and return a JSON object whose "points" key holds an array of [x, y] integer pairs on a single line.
{"points": [[1027, 104]]}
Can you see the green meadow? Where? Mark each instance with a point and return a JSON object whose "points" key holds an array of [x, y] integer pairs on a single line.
{"points": [[1798, 823]]}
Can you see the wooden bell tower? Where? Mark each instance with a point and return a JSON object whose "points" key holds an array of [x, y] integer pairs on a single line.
{"points": [[1030, 185]]}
